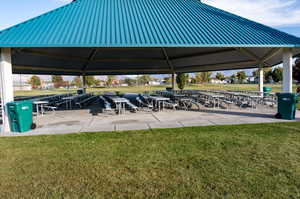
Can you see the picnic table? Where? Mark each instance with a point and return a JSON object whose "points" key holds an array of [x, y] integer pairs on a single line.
{"points": [[40, 106], [159, 102], [120, 104], [70, 99], [215, 97]]}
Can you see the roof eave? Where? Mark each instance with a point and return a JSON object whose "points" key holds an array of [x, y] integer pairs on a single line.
{"points": [[150, 45]]}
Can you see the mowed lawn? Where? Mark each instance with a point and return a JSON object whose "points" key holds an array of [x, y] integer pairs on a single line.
{"points": [[244, 161], [142, 89]]}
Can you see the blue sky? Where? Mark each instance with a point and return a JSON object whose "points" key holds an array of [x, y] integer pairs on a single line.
{"points": [[280, 14]]}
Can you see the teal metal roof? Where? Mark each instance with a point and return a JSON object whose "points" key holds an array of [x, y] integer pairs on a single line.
{"points": [[142, 23]]}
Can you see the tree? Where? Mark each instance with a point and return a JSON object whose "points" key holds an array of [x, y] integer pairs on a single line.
{"points": [[77, 81], [277, 74], [255, 73], [97, 82], [90, 80], [268, 75], [144, 79], [129, 81], [296, 70], [182, 80], [232, 78], [57, 80], [241, 76], [220, 76], [110, 80], [203, 77], [35, 81]]}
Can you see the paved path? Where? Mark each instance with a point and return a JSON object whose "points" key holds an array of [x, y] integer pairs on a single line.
{"points": [[76, 121]]}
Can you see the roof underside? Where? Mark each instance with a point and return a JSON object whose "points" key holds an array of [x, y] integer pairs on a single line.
{"points": [[142, 23], [116, 61]]}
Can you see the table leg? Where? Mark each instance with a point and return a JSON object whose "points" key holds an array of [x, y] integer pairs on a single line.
{"points": [[42, 109], [37, 110]]}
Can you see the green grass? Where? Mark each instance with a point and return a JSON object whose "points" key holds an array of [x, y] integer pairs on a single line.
{"points": [[244, 161], [141, 89]]}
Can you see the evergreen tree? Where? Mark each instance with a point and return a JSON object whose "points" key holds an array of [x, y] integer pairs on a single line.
{"points": [[277, 74], [181, 80]]}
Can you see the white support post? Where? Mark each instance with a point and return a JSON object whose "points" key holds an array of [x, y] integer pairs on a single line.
{"points": [[287, 70], [173, 81], [261, 79], [7, 90]]}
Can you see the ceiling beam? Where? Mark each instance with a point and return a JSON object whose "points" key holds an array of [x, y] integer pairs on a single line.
{"points": [[44, 69], [216, 67], [90, 59], [197, 55], [167, 59], [128, 60], [271, 54], [248, 53], [54, 55], [82, 59]]}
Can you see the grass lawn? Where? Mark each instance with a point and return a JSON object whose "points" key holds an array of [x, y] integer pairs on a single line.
{"points": [[141, 89], [244, 161]]}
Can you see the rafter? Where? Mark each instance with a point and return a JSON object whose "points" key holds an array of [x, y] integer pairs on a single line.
{"points": [[82, 59], [46, 69], [170, 64], [196, 55], [271, 54], [218, 66], [249, 54]]}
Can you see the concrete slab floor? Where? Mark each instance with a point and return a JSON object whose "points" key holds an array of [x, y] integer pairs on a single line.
{"points": [[79, 121]]}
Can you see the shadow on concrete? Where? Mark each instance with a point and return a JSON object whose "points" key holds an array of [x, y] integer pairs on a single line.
{"points": [[235, 113]]}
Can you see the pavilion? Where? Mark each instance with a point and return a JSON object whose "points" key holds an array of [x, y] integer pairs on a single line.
{"points": [[105, 37]]}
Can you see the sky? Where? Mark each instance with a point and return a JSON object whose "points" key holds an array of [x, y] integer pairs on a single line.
{"points": [[280, 14]]}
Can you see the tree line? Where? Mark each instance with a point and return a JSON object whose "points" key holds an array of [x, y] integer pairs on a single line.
{"points": [[270, 75]]}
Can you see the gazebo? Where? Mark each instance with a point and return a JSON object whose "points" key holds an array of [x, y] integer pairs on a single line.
{"points": [[105, 37]]}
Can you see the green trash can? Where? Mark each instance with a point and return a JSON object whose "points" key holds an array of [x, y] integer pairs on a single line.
{"points": [[287, 106], [20, 116], [267, 91]]}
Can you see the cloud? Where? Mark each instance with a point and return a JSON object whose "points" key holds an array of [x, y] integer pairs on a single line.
{"points": [[269, 12]]}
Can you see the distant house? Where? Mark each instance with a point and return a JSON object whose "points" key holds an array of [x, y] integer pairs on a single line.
{"points": [[21, 86], [252, 80], [154, 83], [217, 81]]}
